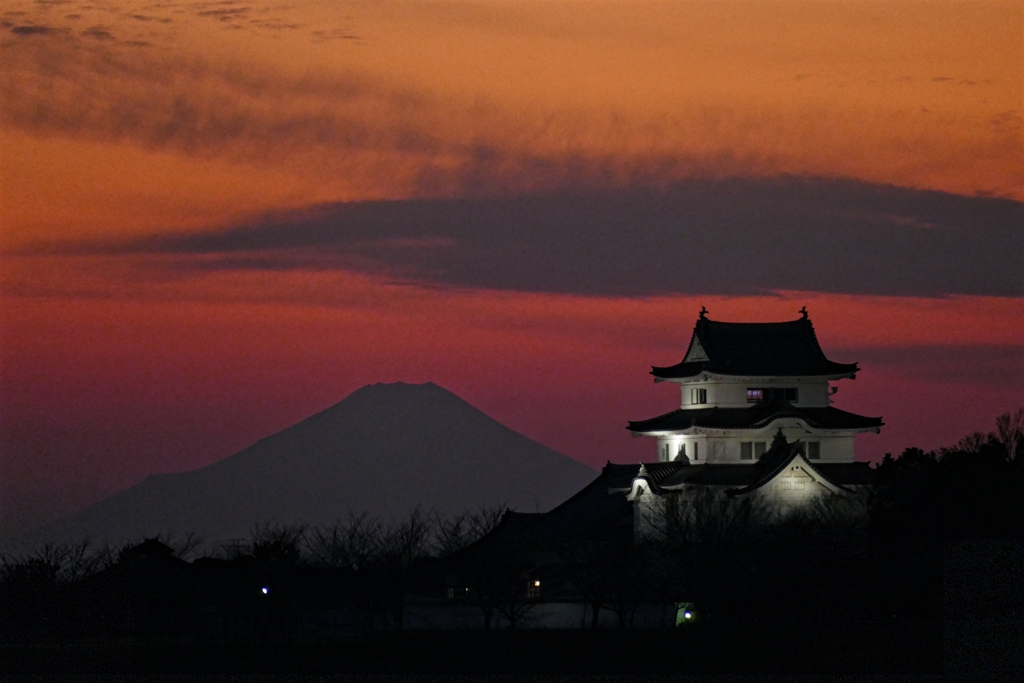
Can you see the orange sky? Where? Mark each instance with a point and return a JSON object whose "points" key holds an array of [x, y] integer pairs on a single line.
{"points": [[136, 118], [198, 120]]}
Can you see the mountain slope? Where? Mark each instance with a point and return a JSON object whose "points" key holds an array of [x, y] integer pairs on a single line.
{"points": [[385, 449]]}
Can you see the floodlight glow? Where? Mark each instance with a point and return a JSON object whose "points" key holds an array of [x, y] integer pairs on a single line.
{"points": [[536, 583], [687, 615], [265, 591]]}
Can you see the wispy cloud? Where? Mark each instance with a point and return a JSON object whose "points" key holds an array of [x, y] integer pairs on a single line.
{"points": [[420, 142], [224, 14], [66, 86], [33, 30], [110, 92], [98, 32], [149, 18]]}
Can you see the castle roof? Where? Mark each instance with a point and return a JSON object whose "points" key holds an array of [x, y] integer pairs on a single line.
{"points": [[778, 457], [746, 478], [591, 513], [757, 416], [786, 349], [596, 510]]}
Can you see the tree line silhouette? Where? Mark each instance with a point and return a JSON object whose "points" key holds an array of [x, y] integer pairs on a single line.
{"points": [[874, 556]]}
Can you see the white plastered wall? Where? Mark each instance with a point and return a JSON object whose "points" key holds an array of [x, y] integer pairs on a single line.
{"points": [[725, 448], [733, 393]]}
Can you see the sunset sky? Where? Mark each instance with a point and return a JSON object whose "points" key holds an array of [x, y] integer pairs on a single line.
{"points": [[218, 218]]}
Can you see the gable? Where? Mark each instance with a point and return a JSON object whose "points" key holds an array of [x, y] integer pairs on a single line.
{"points": [[696, 352], [799, 476]]}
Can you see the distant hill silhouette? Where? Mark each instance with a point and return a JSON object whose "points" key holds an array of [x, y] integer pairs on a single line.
{"points": [[385, 449]]}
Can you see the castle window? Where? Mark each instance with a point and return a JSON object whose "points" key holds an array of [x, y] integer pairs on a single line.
{"points": [[775, 394], [682, 451], [746, 452], [698, 396], [814, 450], [759, 448], [696, 451]]}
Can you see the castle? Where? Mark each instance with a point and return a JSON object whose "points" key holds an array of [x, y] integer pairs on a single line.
{"points": [[755, 423], [755, 416]]}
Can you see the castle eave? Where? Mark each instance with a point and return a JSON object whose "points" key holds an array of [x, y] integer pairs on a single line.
{"points": [[786, 349], [705, 376], [755, 417]]}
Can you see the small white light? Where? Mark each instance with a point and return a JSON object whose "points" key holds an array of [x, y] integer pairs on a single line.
{"points": [[687, 615], [536, 583], [265, 591]]}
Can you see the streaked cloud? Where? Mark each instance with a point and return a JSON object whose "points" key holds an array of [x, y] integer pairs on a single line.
{"points": [[98, 32], [32, 30], [424, 129]]}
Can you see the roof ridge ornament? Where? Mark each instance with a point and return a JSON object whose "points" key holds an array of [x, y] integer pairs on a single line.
{"points": [[703, 313], [779, 440], [803, 313]]}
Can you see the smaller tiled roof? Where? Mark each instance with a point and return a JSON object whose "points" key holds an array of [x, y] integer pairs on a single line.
{"points": [[773, 462], [513, 522], [846, 473], [616, 475], [786, 349], [591, 511], [781, 454], [659, 472], [714, 475], [745, 478], [757, 416], [599, 508]]}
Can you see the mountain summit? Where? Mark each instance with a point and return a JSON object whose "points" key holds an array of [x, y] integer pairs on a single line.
{"points": [[384, 449]]}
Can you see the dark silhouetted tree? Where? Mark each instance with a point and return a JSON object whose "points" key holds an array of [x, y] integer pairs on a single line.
{"points": [[455, 532], [706, 540], [403, 544]]}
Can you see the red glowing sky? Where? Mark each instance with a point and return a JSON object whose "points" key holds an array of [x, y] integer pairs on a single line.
{"points": [[170, 294]]}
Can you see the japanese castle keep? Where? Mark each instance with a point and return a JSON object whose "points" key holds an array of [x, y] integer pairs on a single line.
{"points": [[755, 415]]}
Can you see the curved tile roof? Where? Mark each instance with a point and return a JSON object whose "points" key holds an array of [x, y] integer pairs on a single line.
{"points": [[846, 473], [717, 474], [755, 417], [786, 349], [778, 457], [601, 506], [659, 472]]}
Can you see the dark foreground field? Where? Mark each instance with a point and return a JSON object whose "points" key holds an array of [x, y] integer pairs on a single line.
{"points": [[896, 647]]}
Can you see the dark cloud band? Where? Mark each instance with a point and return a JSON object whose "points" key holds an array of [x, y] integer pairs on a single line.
{"points": [[722, 237], [990, 365], [734, 236]]}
